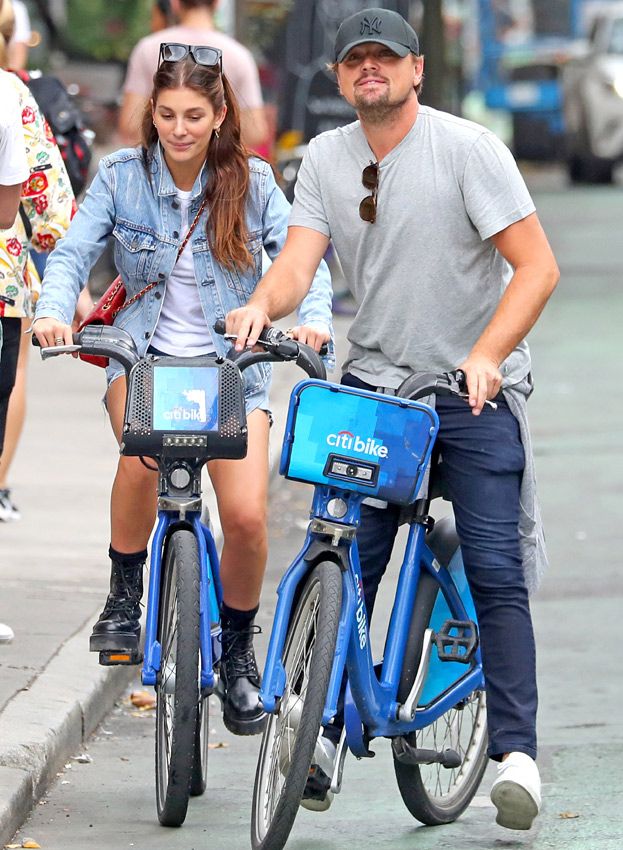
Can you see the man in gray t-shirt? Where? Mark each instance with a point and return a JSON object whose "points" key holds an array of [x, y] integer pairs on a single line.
{"points": [[450, 268]]}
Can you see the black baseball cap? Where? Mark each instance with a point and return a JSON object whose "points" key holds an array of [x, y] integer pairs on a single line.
{"points": [[381, 26]]}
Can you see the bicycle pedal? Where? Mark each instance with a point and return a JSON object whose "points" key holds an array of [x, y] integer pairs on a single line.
{"points": [[405, 753], [112, 657], [317, 785], [457, 640]]}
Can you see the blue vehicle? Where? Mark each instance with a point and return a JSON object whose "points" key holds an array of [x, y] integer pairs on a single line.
{"points": [[427, 695], [523, 46], [182, 412]]}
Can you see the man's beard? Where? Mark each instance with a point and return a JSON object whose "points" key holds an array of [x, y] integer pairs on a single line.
{"points": [[380, 110]]}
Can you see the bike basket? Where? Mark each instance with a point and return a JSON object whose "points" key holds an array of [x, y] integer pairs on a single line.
{"points": [[185, 407], [374, 444]]}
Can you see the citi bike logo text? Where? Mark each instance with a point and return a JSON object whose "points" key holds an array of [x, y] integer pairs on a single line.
{"points": [[360, 616], [195, 413], [351, 442]]}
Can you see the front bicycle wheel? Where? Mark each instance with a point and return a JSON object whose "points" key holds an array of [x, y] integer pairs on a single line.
{"points": [[199, 778], [177, 688], [290, 736], [435, 794]]}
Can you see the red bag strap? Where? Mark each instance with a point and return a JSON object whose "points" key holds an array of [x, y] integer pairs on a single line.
{"points": [[149, 286]]}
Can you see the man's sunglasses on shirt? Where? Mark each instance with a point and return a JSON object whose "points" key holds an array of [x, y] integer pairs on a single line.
{"points": [[209, 57], [370, 180]]}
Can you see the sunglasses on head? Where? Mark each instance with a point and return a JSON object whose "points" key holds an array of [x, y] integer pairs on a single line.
{"points": [[209, 57], [370, 180]]}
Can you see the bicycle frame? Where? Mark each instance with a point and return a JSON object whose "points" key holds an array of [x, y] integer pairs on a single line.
{"points": [[373, 695], [210, 596]]}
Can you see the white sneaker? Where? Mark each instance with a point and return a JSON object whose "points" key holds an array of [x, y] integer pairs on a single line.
{"points": [[8, 511], [318, 796], [6, 633], [516, 793]]}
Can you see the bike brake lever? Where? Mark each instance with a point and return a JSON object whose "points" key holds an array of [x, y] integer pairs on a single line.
{"points": [[53, 350], [487, 401]]}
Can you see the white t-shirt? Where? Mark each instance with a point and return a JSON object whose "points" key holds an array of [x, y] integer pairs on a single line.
{"points": [[21, 30], [238, 62], [13, 162], [182, 329]]}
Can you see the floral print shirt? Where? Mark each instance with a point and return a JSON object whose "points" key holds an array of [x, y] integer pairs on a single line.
{"points": [[48, 202]]}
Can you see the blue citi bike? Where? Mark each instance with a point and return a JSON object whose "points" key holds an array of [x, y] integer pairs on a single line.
{"points": [[182, 412], [427, 694]]}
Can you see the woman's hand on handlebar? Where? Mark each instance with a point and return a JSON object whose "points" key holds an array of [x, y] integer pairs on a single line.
{"points": [[246, 323], [51, 332], [315, 335], [484, 380]]}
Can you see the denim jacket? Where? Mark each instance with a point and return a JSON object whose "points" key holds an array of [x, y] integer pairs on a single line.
{"points": [[139, 207]]}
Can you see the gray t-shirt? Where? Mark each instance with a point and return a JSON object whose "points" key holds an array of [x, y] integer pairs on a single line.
{"points": [[426, 276]]}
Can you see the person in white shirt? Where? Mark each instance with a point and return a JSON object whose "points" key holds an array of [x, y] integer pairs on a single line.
{"points": [[13, 172], [20, 40]]}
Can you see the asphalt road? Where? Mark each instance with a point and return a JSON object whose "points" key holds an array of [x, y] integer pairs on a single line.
{"points": [[576, 413]]}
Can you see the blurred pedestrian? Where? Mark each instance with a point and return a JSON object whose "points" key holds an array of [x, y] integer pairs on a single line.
{"points": [[161, 15], [46, 207], [13, 172], [196, 26], [19, 43]]}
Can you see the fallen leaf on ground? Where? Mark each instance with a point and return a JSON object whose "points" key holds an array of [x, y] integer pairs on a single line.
{"points": [[568, 815], [143, 699], [11, 846], [30, 842], [218, 745], [83, 758]]}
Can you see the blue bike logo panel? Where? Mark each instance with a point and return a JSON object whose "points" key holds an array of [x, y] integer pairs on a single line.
{"points": [[367, 442]]}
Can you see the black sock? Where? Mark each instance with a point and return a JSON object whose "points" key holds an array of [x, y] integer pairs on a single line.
{"points": [[132, 559], [237, 620]]}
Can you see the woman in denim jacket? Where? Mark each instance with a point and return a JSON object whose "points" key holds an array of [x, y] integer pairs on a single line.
{"points": [[192, 166]]}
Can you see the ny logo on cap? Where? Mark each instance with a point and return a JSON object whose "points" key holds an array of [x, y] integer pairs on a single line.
{"points": [[371, 26]]}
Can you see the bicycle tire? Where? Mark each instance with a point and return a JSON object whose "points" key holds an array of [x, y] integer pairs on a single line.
{"points": [[177, 688], [285, 756], [433, 794], [199, 778]]}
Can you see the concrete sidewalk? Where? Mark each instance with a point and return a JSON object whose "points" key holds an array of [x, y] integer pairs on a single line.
{"points": [[54, 577]]}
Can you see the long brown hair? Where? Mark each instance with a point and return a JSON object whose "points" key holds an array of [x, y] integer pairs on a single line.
{"points": [[228, 159]]}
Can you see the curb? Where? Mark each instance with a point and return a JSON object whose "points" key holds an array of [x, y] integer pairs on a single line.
{"points": [[42, 727]]}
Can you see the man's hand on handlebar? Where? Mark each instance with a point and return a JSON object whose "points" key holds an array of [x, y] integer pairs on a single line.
{"points": [[246, 323], [484, 380], [51, 332]]}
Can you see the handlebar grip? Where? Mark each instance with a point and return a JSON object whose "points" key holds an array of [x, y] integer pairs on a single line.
{"points": [[271, 334], [422, 384]]}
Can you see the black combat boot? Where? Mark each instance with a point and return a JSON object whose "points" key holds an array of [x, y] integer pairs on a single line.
{"points": [[242, 711], [118, 627]]}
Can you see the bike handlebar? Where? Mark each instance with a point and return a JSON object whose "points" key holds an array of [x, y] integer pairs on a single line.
{"points": [[109, 341], [279, 348], [422, 384]]}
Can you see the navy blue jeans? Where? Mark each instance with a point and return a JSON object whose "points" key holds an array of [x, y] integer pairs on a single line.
{"points": [[482, 466]]}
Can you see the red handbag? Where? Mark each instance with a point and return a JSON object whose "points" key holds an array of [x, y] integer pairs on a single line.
{"points": [[113, 300], [104, 312]]}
